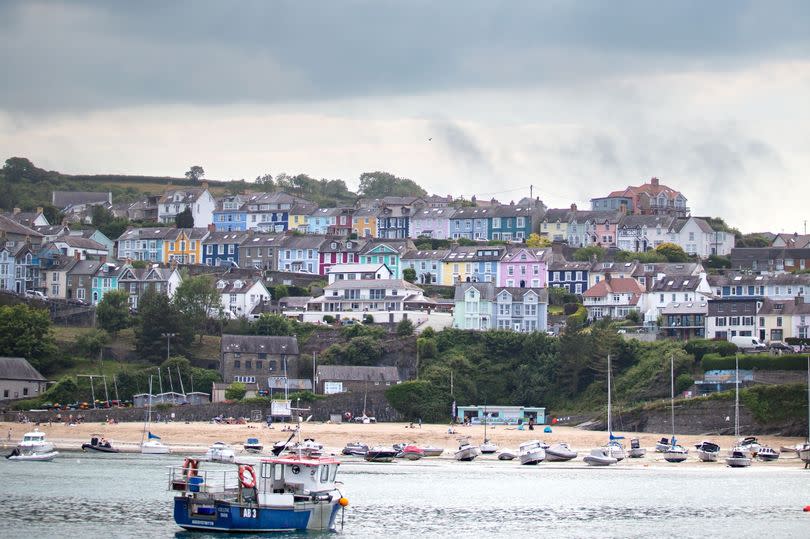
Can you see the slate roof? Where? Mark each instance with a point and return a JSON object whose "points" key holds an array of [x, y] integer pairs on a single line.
{"points": [[17, 368], [414, 254], [394, 284], [187, 196], [11, 226], [63, 199], [399, 245], [254, 344], [785, 307], [357, 374], [666, 222], [671, 283], [80, 243], [434, 213]]}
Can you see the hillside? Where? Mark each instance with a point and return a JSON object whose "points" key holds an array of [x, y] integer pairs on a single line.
{"points": [[27, 186]]}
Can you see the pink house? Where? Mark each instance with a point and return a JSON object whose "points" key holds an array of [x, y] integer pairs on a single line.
{"points": [[431, 223], [604, 229], [524, 267]]}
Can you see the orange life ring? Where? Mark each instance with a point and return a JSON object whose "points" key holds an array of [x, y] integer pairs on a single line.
{"points": [[190, 467], [247, 477]]}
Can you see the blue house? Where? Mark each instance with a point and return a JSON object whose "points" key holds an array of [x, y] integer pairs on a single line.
{"points": [[143, 244], [319, 221], [470, 223], [221, 248], [231, 214], [573, 276], [512, 223]]}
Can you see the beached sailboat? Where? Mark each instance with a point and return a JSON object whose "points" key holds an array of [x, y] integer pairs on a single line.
{"points": [[488, 447], [675, 452], [150, 443], [738, 458], [614, 446]]}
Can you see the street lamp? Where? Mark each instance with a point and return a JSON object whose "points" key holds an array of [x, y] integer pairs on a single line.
{"points": [[168, 342]]}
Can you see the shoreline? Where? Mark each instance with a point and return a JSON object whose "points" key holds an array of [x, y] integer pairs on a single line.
{"points": [[195, 438]]}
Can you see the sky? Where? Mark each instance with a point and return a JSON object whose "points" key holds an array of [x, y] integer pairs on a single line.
{"points": [[574, 98]]}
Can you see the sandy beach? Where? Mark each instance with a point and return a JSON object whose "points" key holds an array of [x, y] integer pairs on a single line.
{"points": [[196, 437]]}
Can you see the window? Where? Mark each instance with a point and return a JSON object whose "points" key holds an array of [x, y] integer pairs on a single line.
{"points": [[779, 321], [237, 364], [248, 364], [25, 391]]}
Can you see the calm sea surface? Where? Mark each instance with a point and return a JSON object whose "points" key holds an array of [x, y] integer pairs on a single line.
{"points": [[84, 496]]}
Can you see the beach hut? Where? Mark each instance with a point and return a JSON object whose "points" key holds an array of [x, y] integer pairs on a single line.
{"points": [[198, 397], [141, 400]]}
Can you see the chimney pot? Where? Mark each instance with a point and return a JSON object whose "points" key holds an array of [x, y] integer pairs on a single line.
{"points": [[573, 207], [654, 181], [212, 227]]}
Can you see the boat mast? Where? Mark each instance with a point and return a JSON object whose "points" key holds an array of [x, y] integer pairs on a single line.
{"points": [[485, 421], [672, 395], [808, 399], [609, 428], [737, 394]]}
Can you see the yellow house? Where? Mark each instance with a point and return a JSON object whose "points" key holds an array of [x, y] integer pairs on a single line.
{"points": [[554, 225], [299, 217], [778, 320], [184, 245], [364, 222]]}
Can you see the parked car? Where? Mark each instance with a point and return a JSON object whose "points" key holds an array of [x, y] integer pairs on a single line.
{"points": [[780, 347], [36, 294]]}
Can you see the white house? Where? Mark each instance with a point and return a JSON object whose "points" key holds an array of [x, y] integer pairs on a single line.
{"points": [[697, 237], [638, 233], [385, 300], [613, 297], [358, 272], [680, 289], [176, 201], [241, 296]]}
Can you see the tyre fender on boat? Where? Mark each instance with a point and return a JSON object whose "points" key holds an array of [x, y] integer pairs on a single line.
{"points": [[247, 477], [190, 467]]}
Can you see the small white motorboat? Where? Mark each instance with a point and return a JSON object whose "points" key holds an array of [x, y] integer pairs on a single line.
{"points": [[676, 453], [599, 456], [467, 452], [431, 451], [27, 454], [507, 454], [253, 445], [35, 442], [707, 451], [487, 448], [738, 458], [662, 445], [616, 449], [560, 452], [636, 451], [767, 454], [750, 445], [220, 452], [308, 447], [531, 452]]}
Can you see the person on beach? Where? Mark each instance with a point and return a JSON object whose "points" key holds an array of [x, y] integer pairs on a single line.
{"points": [[9, 434]]}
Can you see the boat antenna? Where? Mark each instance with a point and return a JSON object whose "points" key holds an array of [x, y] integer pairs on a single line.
{"points": [[609, 418], [485, 420]]}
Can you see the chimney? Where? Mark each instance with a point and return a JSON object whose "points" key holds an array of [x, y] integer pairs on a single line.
{"points": [[654, 181], [623, 207], [212, 227], [15, 211], [798, 300], [607, 276], [77, 254], [573, 207], [39, 210]]}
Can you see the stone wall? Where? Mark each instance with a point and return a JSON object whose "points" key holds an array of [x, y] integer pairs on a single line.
{"points": [[376, 406]]}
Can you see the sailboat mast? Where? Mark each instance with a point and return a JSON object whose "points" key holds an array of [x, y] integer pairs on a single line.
{"points": [[672, 394], [808, 399], [609, 418], [737, 394]]}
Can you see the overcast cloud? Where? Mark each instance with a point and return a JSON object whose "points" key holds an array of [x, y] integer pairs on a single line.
{"points": [[575, 98]]}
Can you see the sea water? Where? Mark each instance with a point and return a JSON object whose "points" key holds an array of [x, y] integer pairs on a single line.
{"points": [[89, 496]]}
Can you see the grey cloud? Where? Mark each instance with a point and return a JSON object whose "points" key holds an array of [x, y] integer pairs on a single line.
{"points": [[460, 145], [66, 55]]}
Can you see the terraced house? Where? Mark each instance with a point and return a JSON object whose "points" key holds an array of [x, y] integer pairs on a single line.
{"points": [[270, 212], [364, 222], [199, 200], [470, 223], [259, 251], [6, 269], [299, 216], [300, 254], [230, 213], [472, 264], [432, 222], [334, 250], [428, 264], [105, 279], [184, 245], [142, 244], [222, 248], [388, 252], [514, 222], [524, 267], [80, 280]]}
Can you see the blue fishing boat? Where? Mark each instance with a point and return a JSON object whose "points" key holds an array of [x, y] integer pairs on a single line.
{"points": [[289, 493]]}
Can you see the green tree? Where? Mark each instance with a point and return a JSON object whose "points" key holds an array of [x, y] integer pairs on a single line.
{"points": [[280, 291], [236, 187], [535, 240], [585, 254], [718, 262], [114, 228], [26, 332], [195, 173], [184, 219], [101, 216], [112, 312], [405, 327], [381, 184], [158, 316], [197, 299], [236, 391], [672, 252], [89, 344], [274, 325], [420, 399], [265, 183], [409, 274]]}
